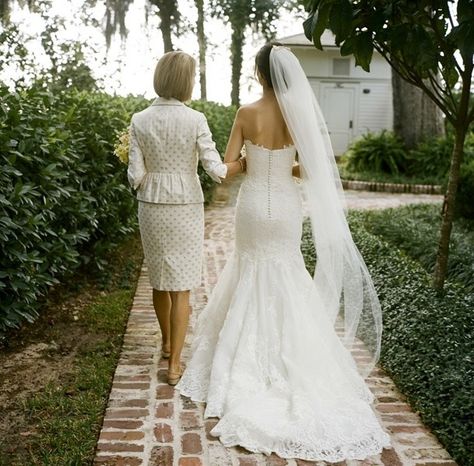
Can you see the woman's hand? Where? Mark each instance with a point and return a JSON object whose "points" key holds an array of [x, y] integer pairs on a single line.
{"points": [[235, 167]]}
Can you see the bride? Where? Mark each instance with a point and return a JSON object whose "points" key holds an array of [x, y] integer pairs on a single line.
{"points": [[265, 357]]}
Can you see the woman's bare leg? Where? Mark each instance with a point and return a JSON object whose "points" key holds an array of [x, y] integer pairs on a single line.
{"points": [[179, 326], [162, 305]]}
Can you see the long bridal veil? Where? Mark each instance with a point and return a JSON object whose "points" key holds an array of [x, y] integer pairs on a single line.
{"points": [[341, 276]]}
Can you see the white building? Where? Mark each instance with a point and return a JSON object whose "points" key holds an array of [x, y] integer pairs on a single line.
{"points": [[352, 100]]}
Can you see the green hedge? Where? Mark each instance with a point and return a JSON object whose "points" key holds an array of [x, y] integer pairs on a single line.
{"points": [[415, 230], [383, 157], [64, 197], [427, 345]]}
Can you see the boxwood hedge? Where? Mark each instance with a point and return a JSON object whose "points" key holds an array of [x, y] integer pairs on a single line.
{"points": [[64, 196], [428, 339]]}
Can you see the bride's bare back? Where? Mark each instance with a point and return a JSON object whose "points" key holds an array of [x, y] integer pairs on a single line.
{"points": [[261, 123]]}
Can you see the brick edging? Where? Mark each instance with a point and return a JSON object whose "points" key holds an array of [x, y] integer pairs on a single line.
{"points": [[392, 187]]}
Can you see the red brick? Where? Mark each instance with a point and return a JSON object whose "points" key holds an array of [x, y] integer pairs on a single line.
{"points": [[189, 420], [390, 457], [407, 418], [393, 408], [190, 461], [247, 462], [191, 443], [188, 403], [131, 386], [164, 392], [117, 461], [132, 378], [387, 399], [119, 447], [426, 453], [164, 410], [162, 375], [163, 433], [275, 460], [125, 413], [409, 429], [209, 425], [161, 456], [122, 424], [443, 463], [301, 462], [127, 435], [128, 403]]}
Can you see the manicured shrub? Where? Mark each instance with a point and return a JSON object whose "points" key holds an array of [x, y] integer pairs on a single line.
{"points": [[415, 230], [427, 340], [380, 153], [65, 199]]}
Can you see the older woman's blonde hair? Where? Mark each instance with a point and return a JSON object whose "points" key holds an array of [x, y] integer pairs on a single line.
{"points": [[174, 75]]}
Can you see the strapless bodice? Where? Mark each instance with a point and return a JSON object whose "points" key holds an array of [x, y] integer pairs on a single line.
{"points": [[267, 166]]}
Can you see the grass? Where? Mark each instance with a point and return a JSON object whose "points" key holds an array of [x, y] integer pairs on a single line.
{"points": [[62, 420]]}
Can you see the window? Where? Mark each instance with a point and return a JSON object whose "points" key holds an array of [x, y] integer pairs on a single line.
{"points": [[341, 66]]}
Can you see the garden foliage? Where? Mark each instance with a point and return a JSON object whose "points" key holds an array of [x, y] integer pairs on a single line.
{"points": [[383, 157], [427, 340], [64, 197]]}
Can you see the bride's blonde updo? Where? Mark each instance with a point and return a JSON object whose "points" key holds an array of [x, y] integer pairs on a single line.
{"points": [[174, 76]]}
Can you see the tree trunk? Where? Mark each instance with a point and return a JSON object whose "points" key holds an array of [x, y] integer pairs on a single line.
{"points": [[415, 116], [236, 47], [461, 126], [165, 27], [202, 48]]}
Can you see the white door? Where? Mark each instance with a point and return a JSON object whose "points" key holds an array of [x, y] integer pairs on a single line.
{"points": [[338, 105]]}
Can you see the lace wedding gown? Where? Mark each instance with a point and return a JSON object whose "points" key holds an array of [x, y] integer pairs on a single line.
{"points": [[265, 358]]}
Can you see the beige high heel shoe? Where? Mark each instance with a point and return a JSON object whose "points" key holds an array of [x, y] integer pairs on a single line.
{"points": [[173, 377]]}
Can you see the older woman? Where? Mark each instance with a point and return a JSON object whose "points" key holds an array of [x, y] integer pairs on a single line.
{"points": [[166, 140]]}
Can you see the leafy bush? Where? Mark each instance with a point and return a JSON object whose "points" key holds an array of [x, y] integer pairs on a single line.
{"points": [[65, 199], [380, 153], [427, 340], [431, 158], [415, 230], [383, 158]]}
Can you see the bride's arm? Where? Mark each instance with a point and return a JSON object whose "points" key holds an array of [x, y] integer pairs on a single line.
{"points": [[232, 156], [296, 171]]}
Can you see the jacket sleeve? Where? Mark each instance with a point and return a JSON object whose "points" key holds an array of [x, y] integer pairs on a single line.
{"points": [[136, 163], [210, 158]]}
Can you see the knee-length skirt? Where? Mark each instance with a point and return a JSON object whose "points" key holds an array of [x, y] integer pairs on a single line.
{"points": [[172, 237]]}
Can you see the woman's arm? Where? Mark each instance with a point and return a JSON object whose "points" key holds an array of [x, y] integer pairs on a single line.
{"points": [[136, 163], [211, 160]]}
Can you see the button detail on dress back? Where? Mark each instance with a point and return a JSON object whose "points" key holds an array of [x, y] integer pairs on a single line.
{"points": [[269, 210]]}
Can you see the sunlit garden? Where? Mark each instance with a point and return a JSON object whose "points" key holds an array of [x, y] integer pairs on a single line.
{"points": [[73, 73]]}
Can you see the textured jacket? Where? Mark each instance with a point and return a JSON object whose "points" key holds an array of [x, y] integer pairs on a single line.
{"points": [[166, 141]]}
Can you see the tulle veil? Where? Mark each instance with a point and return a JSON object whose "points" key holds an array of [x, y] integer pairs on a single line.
{"points": [[341, 276]]}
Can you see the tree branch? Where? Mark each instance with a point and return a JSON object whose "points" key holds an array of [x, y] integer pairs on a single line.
{"points": [[412, 78]]}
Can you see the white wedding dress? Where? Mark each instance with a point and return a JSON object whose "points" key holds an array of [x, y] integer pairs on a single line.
{"points": [[265, 358]]}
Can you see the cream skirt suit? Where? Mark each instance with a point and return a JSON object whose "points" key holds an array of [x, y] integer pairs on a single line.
{"points": [[166, 141]]}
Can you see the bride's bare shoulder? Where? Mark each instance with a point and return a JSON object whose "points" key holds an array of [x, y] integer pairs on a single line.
{"points": [[248, 110]]}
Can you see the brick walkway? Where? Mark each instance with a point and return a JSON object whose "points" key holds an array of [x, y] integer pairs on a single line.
{"points": [[148, 423]]}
